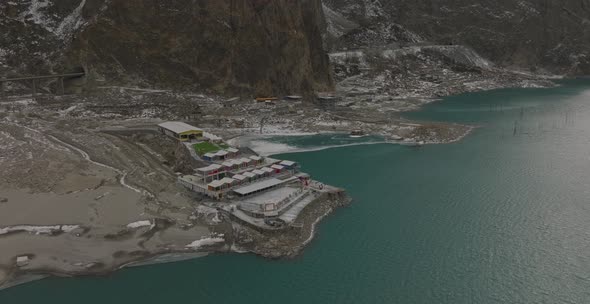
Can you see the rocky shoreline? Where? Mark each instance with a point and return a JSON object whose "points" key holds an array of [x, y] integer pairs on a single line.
{"points": [[290, 243]]}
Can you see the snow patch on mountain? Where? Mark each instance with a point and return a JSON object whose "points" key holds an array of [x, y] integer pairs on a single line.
{"points": [[38, 13], [380, 34], [528, 7], [337, 24], [35, 14], [72, 23], [457, 54], [373, 8]]}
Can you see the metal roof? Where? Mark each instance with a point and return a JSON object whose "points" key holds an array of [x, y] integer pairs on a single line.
{"points": [[239, 177], [249, 174], [227, 180], [222, 153], [287, 163], [267, 169], [237, 162], [278, 167], [254, 157], [233, 150], [178, 127], [216, 183], [258, 172], [269, 183]]}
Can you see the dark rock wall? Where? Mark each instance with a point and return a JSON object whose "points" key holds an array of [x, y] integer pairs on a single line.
{"points": [[227, 46], [256, 47]]}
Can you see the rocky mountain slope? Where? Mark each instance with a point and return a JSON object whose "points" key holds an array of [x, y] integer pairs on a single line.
{"points": [[264, 47], [225, 46], [534, 35]]}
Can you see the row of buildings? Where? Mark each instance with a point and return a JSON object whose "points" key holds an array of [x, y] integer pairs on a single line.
{"points": [[231, 173], [221, 154], [216, 180], [264, 192], [254, 165]]}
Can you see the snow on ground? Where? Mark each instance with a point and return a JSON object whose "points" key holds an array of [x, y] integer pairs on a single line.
{"points": [[67, 111], [71, 23], [210, 214], [35, 14], [62, 28], [373, 8], [20, 102], [31, 135], [457, 53], [205, 210], [338, 25], [206, 241], [140, 224], [266, 148], [39, 229], [3, 54], [344, 57], [69, 228], [136, 89], [284, 129]]}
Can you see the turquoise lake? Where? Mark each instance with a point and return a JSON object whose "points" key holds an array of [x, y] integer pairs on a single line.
{"points": [[500, 217]]}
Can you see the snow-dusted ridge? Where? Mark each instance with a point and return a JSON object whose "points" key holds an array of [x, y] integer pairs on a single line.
{"points": [[63, 28], [38, 230]]}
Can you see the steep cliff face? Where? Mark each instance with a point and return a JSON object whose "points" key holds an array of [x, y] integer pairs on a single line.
{"points": [[223, 46], [529, 34]]}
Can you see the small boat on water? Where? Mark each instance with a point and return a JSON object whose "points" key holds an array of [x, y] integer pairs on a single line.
{"points": [[357, 133]]}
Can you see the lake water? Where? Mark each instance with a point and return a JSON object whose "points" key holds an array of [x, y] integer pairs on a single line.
{"points": [[500, 217]]}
